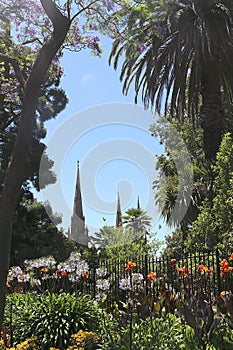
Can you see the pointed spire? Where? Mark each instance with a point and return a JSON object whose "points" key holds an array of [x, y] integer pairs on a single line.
{"points": [[78, 206], [138, 204], [118, 214], [78, 230]]}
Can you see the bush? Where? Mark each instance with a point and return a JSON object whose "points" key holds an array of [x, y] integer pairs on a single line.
{"points": [[83, 341], [51, 318], [167, 333]]}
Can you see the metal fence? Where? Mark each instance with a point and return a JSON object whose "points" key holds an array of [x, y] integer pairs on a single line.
{"points": [[168, 275]]}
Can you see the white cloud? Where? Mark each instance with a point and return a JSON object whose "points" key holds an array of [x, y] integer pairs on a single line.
{"points": [[88, 78]]}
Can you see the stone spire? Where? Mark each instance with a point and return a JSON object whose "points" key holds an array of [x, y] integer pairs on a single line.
{"points": [[118, 214], [78, 230]]}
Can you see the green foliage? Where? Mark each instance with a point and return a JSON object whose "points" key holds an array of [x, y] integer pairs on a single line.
{"points": [[121, 243], [167, 333], [174, 64], [51, 318], [34, 235], [223, 338], [213, 227], [174, 245]]}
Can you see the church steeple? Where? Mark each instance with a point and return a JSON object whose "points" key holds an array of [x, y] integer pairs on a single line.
{"points": [[118, 214], [78, 206], [78, 230], [138, 204]]}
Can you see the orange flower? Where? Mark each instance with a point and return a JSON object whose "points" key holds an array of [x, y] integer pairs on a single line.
{"points": [[224, 267], [205, 268], [63, 273], [173, 261], [57, 272], [44, 270], [222, 294], [183, 271], [202, 267], [130, 265], [8, 285], [151, 276], [224, 263], [85, 275], [231, 257]]}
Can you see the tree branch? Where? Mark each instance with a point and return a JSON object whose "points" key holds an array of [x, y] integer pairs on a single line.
{"points": [[15, 65], [32, 41], [52, 12], [83, 9]]}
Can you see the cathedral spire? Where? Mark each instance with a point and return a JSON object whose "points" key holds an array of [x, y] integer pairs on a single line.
{"points": [[78, 206], [138, 204], [118, 214], [78, 229]]}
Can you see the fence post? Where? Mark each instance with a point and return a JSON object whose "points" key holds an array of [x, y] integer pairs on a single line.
{"points": [[218, 271]]}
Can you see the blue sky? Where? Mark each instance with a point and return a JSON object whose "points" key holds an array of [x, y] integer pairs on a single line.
{"points": [[109, 135]]}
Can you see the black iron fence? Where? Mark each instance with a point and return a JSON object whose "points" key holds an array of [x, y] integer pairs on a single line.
{"points": [[110, 280], [190, 272]]}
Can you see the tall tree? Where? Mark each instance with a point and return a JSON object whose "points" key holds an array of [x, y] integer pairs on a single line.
{"points": [[179, 55], [49, 26], [35, 235], [137, 220], [213, 226], [121, 243], [170, 189]]}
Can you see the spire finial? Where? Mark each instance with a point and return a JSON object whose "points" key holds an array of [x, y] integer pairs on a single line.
{"points": [[118, 214]]}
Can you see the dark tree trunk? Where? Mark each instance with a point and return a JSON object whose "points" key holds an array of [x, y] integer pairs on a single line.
{"points": [[20, 160], [211, 109]]}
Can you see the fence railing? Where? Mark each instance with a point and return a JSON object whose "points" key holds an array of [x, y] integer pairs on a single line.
{"points": [[166, 272], [109, 279]]}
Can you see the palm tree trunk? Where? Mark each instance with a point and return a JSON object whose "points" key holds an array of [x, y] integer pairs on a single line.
{"points": [[211, 109]]}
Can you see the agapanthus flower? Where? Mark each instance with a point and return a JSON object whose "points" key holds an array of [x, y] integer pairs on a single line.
{"points": [[101, 271], [125, 284], [103, 284]]}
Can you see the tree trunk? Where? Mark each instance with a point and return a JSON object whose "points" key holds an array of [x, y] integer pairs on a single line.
{"points": [[211, 109], [19, 164]]}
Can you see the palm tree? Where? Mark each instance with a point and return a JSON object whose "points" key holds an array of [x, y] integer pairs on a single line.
{"points": [[137, 220], [179, 54]]}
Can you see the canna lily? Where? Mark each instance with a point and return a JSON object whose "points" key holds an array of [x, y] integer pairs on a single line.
{"points": [[44, 270], [85, 275], [222, 294], [224, 267], [202, 267], [130, 265], [151, 276], [183, 271]]}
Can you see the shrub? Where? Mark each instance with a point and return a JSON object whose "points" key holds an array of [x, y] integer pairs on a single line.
{"points": [[83, 341], [51, 318], [28, 344], [167, 333]]}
